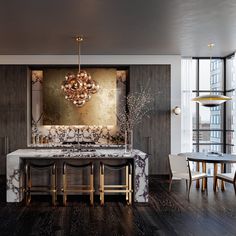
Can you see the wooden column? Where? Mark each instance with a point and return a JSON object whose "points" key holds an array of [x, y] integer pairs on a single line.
{"points": [[155, 128]]}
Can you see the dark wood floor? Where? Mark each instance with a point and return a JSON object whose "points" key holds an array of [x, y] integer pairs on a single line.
{"points": [[166, 214]]}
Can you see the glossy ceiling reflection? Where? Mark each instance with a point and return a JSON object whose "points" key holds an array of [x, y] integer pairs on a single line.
{"points": [[114, 27]]}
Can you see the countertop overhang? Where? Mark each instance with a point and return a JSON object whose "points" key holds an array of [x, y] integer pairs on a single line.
{"points": [[70, 153]]}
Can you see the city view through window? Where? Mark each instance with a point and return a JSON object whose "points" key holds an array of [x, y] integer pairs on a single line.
{"points": [[213, 128]]}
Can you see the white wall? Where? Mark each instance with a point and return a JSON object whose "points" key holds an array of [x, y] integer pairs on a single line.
{"points": [[173, 60]]}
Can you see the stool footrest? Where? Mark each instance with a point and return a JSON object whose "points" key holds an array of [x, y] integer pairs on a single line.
{"points": [[41, 190], [78, 190], [115, 191], [116, 186]]}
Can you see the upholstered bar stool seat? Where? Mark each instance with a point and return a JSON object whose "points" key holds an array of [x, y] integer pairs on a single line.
{"points": [[76, 188], [31, 187], [127, 188]]}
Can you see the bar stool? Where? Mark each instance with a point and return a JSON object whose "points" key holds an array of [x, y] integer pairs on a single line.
{"points": [[89, 188], [40, 188], [127, 188]]}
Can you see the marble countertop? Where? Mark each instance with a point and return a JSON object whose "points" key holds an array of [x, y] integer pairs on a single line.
{"points": [[70, 153], [60, 145]]}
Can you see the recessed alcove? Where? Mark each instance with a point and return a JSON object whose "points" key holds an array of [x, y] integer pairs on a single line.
{"points": [[55, 119]]}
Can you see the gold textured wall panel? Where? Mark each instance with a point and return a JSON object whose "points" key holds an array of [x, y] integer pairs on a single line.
{"points": [[100, 110]]}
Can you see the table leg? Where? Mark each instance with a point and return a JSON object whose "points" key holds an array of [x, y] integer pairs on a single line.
{"points": [[215, 173], [222, 182], [204, 180], [197, 169]]}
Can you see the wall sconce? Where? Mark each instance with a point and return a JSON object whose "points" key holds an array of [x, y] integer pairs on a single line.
{"points": [[176, 110]]}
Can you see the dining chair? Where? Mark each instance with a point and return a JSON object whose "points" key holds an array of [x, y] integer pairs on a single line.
{"points": [[180, 169], [227, 177]]}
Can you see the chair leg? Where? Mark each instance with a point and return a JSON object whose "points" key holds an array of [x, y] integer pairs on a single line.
{"points": [[170, 183], [215, 184], [186, 181], [206, 183], [197, 169], [203, 179], [189, 187], [234, 187]]}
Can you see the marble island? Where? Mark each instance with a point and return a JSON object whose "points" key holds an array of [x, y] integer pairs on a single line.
{"points": [[15, 167]]}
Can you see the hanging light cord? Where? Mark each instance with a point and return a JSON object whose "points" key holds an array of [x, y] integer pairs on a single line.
{"points": [[210, 46], [78, 53]]}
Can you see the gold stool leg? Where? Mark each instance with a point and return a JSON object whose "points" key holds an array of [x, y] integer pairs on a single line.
{"points": [[64, 185], [130, 186], [91, 186], [127, 182], [29, 186], [102, 185], [53, 189]]}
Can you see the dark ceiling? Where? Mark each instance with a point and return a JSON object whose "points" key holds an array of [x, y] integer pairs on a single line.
{"points": [[118, 27]]}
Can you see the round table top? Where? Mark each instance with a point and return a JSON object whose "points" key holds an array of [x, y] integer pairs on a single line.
{"points": [[209, 157]]}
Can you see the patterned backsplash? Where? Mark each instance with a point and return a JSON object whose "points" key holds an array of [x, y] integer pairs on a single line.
{"points": [[56, 135]]}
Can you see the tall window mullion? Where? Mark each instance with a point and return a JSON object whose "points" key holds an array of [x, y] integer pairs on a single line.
{"points": [[197, 109]]}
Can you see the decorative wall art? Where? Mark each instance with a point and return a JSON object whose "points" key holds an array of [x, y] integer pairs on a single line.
{"points": [[100, 110]]}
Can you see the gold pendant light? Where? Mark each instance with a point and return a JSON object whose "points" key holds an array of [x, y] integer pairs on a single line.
{"points": [[78, 88], [211, 100]]}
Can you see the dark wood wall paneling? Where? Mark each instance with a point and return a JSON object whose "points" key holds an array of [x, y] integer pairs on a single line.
{"points": [[152, 135], [13, 109]]}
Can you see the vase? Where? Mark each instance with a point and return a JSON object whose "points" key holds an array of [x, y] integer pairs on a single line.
{"points": [[128, 142]]}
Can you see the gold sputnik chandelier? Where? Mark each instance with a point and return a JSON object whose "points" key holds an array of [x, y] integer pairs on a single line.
{"points": [[78, 88]]}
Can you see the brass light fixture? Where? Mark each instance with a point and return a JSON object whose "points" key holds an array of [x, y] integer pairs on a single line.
{"points": [[78, 88], [211, 100]]}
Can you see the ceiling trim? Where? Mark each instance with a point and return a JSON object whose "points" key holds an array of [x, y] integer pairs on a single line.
{"points": [[88, 59]]}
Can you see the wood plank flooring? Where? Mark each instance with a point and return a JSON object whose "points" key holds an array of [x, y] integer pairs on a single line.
{"points": [[166, 214]]}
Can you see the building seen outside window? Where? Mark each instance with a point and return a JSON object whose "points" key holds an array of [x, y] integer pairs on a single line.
{"points": [[214, 129]]}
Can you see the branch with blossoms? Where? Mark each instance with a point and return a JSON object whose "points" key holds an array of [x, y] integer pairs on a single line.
{"points": [[138, 105]]}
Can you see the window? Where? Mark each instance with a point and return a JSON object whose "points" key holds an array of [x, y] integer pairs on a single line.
{"points": [[208, 127]]}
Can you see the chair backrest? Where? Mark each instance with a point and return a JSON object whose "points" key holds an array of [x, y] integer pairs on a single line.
{"points": [[178, 164]]}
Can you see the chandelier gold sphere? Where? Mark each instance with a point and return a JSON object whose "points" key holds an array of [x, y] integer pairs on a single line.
{"points": [[78, 88]]}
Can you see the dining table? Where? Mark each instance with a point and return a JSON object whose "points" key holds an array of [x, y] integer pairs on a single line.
{"points": [[212, 157]]}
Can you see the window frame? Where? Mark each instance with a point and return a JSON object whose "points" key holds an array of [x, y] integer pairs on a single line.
{"points": [[224, 145]]}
